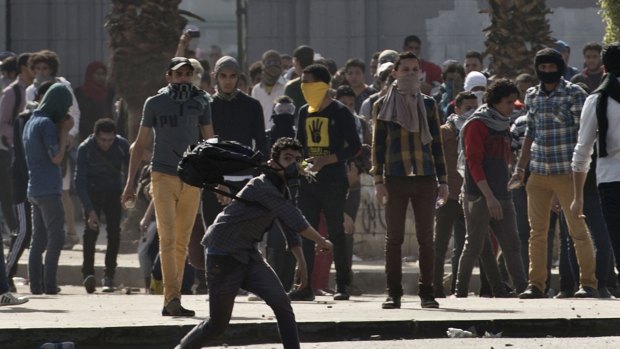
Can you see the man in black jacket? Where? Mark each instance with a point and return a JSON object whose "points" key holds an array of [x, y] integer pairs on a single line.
{"points": [[101, 159]]}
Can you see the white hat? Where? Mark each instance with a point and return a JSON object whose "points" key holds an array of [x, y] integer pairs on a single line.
{"points": [[475, 79]]}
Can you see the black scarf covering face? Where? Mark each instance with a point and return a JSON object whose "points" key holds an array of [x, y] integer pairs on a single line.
{"points": [[610, 87], [181, 92]]}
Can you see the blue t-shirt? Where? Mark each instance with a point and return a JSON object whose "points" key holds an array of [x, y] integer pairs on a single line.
{"points": [[40, 145]]}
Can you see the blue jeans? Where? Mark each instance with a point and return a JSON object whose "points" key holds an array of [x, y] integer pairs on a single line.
{"points": [[225, 275], [48, 234]]}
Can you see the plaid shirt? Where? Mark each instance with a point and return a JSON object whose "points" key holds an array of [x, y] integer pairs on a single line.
{"points": [[239, 228], [399, 153], [552, 124]]}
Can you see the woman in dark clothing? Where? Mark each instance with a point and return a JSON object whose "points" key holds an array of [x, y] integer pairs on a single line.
{"points": [[95, 98]]}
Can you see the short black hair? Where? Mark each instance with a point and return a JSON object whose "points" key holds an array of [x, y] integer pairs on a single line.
{"points": [[256, 69], [304, 55], [611, 57], [284, 143], [404, 55], [499, 89], [592, 46], [462, 96], [411, 38], [283, 99], [474, 54], [526, 78], [9, 65], [22, 59], [355, 63], [376, 55], [105, 125], [344, 91], [319, 72], [453, 68]]}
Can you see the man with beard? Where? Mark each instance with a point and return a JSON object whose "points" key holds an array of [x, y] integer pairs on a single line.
{"points": [[175, 116], [553, 117], [271, 85]]}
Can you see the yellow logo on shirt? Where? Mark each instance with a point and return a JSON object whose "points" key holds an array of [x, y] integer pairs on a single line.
{"points": [[317, 135]]}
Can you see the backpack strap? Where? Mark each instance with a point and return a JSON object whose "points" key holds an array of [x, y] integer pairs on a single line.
{"points": [[18, 101]]}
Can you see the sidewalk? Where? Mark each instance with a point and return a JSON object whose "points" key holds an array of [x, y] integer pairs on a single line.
{"points": [[121, 321]]}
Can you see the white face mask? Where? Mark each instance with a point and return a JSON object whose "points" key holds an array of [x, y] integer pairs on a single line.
{"points": [[479, 95]]}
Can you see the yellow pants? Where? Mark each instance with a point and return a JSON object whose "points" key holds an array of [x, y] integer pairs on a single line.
{"points": [[540, 190], [176, 205]]}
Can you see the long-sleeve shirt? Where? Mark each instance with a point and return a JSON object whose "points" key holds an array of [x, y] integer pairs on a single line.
{"points": [[608, 167], [400, 153], [99, 171], [329, 131], [7, 109], [240, 120], [449, 135], [552, 124], [238, 229]]}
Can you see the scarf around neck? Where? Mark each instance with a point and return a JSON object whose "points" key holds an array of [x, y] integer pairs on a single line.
{"points": [[180, 92], [610, 87], [408, 111]]}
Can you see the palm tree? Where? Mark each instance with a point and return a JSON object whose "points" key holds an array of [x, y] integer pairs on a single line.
{"points": [[518, 29], [610, 11], [143, 37]]}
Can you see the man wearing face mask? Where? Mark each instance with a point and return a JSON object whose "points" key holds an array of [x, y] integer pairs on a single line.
{"points": [[553, 117], [327, 132], [476, 83], [172, 120], [233, 259], [408, 165], [450, 215], [271, 85]]}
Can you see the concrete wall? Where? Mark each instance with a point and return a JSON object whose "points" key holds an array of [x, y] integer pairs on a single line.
{"points": [[341, 29]]}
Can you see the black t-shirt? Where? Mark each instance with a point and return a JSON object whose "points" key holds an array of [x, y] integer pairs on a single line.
{"points": [[329, 131]]}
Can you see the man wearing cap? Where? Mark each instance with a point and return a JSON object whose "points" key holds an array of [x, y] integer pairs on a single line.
{"points": [[175, 116], [271, 85], [553, 117], [236, 117]]}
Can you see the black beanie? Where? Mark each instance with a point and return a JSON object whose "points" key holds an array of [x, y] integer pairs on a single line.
{"points": [[549, 55]]}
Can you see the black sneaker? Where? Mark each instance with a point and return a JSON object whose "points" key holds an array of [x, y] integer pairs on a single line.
{"points": [[174, 308], [565, 294], [428, 301], [532, 292], [89, 283], [341, 296], [108, 284], [604, 293], [586, 292], [305, 294], [391, 303]]}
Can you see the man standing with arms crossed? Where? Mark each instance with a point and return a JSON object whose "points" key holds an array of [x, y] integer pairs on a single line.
{"points": [[175, 116]]}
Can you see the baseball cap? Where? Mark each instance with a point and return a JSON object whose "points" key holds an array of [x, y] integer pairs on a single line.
{"points": [[178, 62]]}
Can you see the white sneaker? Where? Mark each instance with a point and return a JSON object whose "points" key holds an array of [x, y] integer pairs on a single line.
{"points": [[9, 299]]}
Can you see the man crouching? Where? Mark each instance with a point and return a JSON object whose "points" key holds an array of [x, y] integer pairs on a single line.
{"points": [[233, 259]]}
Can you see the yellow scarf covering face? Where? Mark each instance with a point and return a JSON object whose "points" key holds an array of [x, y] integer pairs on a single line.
{"points": [[314, 93]]}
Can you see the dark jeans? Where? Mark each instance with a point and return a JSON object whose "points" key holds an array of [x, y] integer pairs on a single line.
{"points": [[21, 239], [328, 197], [189, 273], [4, 285], [225, 276], [282, 261], [610, 202], [478, 221], [6, 189], [48, 234], [448, 217], [422, 193], [519, 198], [108, 203], [600, 237]]}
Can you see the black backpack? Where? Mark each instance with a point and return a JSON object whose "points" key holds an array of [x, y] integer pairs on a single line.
{"points": [[205, 164]]}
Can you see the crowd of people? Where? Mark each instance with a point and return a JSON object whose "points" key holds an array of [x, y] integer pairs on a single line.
{"points": [[495, 164]]}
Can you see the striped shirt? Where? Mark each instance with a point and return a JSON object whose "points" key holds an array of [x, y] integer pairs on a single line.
{"points": [[552, 124], [399, 153]]}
